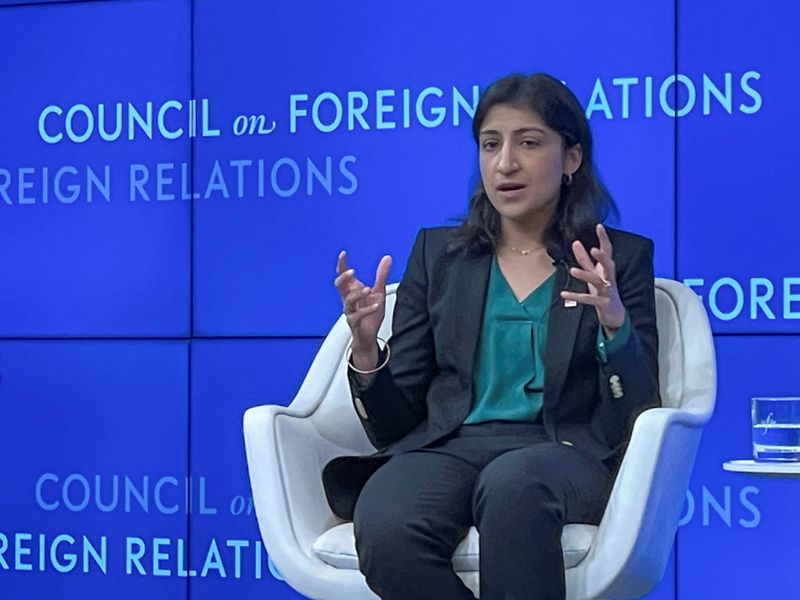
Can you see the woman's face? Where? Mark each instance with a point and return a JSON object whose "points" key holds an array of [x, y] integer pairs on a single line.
{"points": [[522, 162]]}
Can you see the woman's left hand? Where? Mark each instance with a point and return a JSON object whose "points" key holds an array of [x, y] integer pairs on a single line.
{"points": [[600, 277]]}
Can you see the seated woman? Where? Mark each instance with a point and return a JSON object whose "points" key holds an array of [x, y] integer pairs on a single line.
{"points": [[524, 344]]}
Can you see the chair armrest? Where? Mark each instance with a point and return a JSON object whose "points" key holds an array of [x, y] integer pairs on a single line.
{"points": [[285, 456], [631, 549], [283, 469]]}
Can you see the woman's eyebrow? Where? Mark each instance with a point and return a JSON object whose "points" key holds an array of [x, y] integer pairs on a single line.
{"points": [[516, 131], [529, 130]]}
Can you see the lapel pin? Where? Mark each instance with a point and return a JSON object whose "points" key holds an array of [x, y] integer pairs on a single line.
{"points": [[570, 303]]}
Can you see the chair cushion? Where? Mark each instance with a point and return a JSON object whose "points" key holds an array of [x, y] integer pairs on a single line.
{"points": [[337, 547]]}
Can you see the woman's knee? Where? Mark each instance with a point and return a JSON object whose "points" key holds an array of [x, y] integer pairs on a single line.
{"points": [[506, 492], [401, 537], [383, 532]]}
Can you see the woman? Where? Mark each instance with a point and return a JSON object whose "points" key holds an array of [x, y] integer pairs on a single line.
{"points": [[524, 344]]}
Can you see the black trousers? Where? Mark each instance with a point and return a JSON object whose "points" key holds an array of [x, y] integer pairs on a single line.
{"points": [[517, 488]]}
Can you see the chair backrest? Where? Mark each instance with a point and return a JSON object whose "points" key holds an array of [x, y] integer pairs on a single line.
{"points": [[686, 362], [670, 349], [685, 357]]}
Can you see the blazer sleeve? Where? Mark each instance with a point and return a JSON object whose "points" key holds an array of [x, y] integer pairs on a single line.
{"points": [[393, 402], [629, 375]]}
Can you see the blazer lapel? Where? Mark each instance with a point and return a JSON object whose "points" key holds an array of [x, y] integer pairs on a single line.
{"points": [[469, 279], [562, 331]]}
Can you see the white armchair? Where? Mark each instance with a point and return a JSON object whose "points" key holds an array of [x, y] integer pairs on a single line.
{"points": [[624, 557]]}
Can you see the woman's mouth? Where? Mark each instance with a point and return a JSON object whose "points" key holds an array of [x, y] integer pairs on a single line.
{"points": [[510, 190]]}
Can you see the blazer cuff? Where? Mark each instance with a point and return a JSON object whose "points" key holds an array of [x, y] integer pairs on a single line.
{"points": [[606, 347], [357, 384]]}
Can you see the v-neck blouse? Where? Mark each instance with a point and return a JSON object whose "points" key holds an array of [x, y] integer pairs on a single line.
{"points": [[509, 368]]}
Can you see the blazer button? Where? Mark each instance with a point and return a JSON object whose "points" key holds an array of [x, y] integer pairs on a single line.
{"points": [[360, 408]]}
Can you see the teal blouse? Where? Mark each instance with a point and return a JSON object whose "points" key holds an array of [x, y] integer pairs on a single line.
{"points": [[509, 367]]}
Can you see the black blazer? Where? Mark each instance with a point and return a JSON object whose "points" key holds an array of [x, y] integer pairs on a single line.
{"points": [[425, 392]]}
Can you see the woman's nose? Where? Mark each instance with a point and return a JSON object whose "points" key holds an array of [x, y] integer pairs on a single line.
{"points": [[506, 159]]}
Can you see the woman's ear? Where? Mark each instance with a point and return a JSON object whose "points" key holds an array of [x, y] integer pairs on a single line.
{"points": [[573, 157]]}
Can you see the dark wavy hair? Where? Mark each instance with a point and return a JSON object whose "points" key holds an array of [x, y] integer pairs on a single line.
{"points": [[581, 205]]}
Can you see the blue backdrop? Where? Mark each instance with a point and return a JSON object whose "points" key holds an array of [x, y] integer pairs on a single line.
{"points": [[177, 179]]}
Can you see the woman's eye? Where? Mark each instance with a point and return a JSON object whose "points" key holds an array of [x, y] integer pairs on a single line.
{"points": [[530, 143], [489, 144]]}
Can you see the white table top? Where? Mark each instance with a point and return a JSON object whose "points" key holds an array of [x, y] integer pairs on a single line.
{"points": [[775, 469]]}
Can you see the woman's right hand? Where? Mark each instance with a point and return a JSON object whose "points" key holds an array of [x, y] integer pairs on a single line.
{"points": [[364, 308]]}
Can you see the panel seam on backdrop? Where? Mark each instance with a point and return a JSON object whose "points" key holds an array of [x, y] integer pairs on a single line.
{"points": [[675, 178], [150, 338], [288, 338], [191, 309], [675, 238], [757, 334], [49, 3]]}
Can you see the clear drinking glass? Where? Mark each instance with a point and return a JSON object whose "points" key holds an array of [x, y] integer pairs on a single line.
{"points": [[776, 429]]}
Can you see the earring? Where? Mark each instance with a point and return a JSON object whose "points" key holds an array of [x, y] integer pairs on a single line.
{"points": [[566, 179]]}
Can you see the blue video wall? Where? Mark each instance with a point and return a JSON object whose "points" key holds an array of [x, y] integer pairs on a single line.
{"points": [[177, 179]]}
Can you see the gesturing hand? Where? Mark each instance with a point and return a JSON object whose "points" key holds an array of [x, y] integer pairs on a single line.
{"points": [[363, 306], [600, 277]]}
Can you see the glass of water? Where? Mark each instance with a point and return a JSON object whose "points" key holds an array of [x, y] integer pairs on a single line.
{"points": [[776, 429]]}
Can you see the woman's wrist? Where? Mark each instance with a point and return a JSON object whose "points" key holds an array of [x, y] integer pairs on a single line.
{"points": [[610, 331], [367, 347], [365, 359], [364, 362]]}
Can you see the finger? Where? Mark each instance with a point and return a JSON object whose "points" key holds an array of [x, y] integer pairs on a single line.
{"points": [[341, 263], [582, 256], [609, 268], [605, 241], [382, 272], [584, 298], [355, 317], [347, 282], [592, 277], [352, 299], [347, 278], [343, 280]]}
